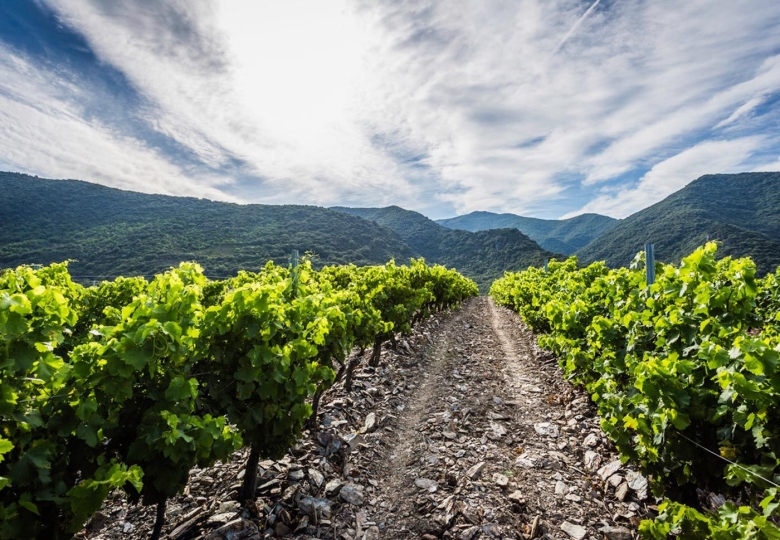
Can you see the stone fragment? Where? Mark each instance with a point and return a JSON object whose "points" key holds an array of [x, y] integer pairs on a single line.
{"points": [[498, 429], [302, 524], [281, 529], [476, 471], [592, 459], [290, 492], [609, 469], [352, 493], [221, 518], [516, 497], [296, 475], [427, 484], [470, 533], [616, 533], [128, 527], [228, 506], [559, 456], [591, 440], [525, 461], [615, 480], [333, 487], [238, 528], [501, 480], [370, 423], [560, 488], [546, 429], [316, 477], [622, 491], [575, 531], [638, 483], [315, 506]]}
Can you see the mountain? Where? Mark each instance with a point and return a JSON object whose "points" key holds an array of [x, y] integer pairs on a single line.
{"points": [[483, 256], [112, 232], [742, 211], [562, 236]]}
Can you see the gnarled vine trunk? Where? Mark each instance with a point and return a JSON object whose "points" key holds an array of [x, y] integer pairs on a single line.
{"points": [[249, 486], [159, 521]]}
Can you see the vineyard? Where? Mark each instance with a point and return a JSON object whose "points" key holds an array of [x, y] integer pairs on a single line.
{"points": [[130, 384], [685, 376], [468, 430]]}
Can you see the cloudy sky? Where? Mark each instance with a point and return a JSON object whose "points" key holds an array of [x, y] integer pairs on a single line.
{"points": [[545, 108]]}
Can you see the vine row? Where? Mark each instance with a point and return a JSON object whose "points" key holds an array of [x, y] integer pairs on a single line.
{"points": [[688, 363], [130, 384]]}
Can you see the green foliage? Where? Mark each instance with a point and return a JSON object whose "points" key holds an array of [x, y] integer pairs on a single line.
{"points": [[101, 305], [48, 476], [139, 392], [263, 342], [729, 523], [681, 360]]}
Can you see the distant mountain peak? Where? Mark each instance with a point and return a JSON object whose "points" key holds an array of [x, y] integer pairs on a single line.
{"points": [[563, 236]]}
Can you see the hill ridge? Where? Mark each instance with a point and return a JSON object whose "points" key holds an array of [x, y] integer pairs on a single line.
{"points": [[741, 211]]}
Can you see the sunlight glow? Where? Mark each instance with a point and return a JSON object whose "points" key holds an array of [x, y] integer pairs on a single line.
{"points": [[297, 65]]}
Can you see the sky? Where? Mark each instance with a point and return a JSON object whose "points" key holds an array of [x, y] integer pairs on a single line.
{"points": [[544, 108]]}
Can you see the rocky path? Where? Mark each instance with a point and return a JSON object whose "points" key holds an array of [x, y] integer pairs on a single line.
{"points": [[467, 430]]}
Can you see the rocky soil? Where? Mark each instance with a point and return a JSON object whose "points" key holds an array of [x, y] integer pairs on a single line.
{"points": [[466, 430]]}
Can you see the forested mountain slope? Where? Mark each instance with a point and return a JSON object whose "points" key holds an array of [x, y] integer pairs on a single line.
{"points": [[742, 211], [559, 235], [113, 232]]}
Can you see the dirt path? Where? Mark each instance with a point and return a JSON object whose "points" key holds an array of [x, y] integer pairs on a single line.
{"points": [[486, 447], [467, 430]]}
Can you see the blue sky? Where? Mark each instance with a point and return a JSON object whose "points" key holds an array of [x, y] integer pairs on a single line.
{"points": [[545, 108]]}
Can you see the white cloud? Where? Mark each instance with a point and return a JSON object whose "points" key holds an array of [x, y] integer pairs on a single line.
{"points": [[434, 105], [772, 166], [43, 132], [266, 83], [637, 82], [672, 174]]}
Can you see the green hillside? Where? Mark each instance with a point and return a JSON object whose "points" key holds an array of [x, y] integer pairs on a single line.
{"points": [[562, 236], [112, 232], [742, 211], [483, 256]]}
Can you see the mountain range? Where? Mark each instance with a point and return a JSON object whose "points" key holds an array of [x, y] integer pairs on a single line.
{"points": [[559, 235], [109, 232], [740, 211]]}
